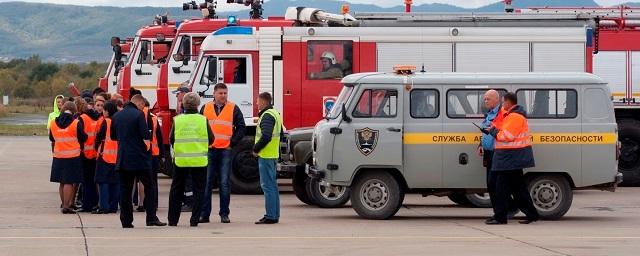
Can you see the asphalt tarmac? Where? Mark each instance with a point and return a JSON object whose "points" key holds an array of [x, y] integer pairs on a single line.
{"points": [[599, 223]]}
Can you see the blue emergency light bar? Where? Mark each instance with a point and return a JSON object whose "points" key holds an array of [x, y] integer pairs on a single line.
{"points": [[235, 30]]}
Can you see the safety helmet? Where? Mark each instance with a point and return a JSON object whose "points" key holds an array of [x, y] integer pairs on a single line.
{"points": [[329, 55]]}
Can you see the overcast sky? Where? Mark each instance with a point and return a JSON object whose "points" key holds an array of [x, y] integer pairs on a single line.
{"points": [[223, 6]]}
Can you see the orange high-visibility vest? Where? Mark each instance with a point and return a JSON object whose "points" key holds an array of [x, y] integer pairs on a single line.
{"points": [[147, 143], [91, 129], [514, 132], [66, 144], [155, 150], [221, 125], [109, 149]]}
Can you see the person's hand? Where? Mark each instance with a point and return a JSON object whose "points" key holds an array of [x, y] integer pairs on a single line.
{"points": [[480, 151], [484, 130]]}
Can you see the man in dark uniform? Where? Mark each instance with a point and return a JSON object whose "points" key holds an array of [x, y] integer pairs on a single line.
{"points": [[131, 131]]}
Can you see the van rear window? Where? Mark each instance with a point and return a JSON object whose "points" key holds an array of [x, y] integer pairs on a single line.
{"points": [[468, 103], [549, 103]]}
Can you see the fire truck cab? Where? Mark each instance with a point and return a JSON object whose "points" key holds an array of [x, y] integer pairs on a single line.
{"points": [[120, 56], [149, 49]]}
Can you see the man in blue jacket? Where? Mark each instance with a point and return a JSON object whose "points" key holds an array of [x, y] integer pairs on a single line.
{"points": [[131, 131]]}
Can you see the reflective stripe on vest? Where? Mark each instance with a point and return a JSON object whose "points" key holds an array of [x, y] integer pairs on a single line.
{"points": [[91, 129], [506, 139], [109, 148], [155, 149], [66, 143], [272, 149], [221, 125], [191, 143]]}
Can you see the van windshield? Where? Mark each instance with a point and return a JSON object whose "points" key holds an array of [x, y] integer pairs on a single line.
{"points": [[335, 110]]}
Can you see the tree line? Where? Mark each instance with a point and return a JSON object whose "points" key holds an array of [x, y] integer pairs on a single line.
{"points": [[32, 78]]}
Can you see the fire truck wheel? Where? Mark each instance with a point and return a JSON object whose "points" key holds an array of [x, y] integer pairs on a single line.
{"points": [[244, 178], [629, 163], [551, 194], [299, 182], [376, 195], [327, 196]]}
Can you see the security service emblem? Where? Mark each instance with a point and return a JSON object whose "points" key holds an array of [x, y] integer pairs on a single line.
{"points": [[366, 140]]}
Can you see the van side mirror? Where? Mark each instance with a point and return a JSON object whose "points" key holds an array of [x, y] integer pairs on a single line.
{"points": [[345, 117]]}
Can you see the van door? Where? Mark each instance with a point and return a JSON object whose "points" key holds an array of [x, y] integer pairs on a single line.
{"points": [[598, 136], [463, 167], [422, 122], [374, 136]]}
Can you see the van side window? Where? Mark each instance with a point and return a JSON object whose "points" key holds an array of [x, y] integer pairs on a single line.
{"points": [[468, 103], [549, 103], [424, 103], [377, 103], [328, 60]]}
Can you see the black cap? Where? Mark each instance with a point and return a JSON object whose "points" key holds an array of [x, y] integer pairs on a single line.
{"points": [[181, 89]]}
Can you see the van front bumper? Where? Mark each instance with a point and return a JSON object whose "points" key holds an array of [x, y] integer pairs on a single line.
{"points": [[315, 173]]}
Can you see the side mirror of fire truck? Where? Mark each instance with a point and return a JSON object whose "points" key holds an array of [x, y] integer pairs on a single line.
{"points": [[178, 57], [213, 70]]}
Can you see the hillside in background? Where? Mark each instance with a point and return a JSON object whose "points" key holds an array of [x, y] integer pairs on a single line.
{"points": [[66, 33]]}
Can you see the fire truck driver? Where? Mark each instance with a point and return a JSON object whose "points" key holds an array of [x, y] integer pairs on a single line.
{"points": [[330, 68]]}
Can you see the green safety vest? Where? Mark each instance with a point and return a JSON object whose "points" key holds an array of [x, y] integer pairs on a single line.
{"points": [[191, 140], [272, 150]]}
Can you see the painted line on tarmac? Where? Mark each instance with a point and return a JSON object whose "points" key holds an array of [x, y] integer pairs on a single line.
{"points": [[315, 237]]}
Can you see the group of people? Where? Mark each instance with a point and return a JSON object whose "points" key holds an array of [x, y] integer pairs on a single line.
{"points": [[108, 147], [506, 150]]}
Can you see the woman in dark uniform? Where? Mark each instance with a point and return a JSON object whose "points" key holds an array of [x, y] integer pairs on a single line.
{"points": [[106, 177], [66, 135]]}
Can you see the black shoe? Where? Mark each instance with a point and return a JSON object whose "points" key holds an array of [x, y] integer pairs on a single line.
{"points": [[140, 209], [156, 223], [494, 222], [204, 220], [194, 224], [266, 221], [225, 219], [527, 221], [74, 207], [173, 224], [127, 225], [67, 211]]}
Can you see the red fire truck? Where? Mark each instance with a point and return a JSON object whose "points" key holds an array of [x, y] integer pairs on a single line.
{"points": [[293, 62]]}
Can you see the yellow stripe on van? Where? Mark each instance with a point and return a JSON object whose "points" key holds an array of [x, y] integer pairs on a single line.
{"points": [[538, 138]]}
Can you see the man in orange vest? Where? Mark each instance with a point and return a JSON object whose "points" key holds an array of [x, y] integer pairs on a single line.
{"points": [[227, 123], [513, 153], [91, 121]]}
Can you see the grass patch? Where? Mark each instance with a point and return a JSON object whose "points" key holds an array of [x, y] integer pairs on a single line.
{"points": [[24, 109], [23, 130]]}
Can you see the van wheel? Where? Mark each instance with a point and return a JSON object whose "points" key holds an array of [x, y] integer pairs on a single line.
{"points": [[629, 163], [376, 195], [299, 181], [552, 195], [244, 178], [478, 200], [327, 196]]}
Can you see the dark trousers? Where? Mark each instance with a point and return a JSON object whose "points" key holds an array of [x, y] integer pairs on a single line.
{"points": [[154, 180], [127, 179], [180, 174], [511, 183], [89, 186], [109, 196], [491, 182]]}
